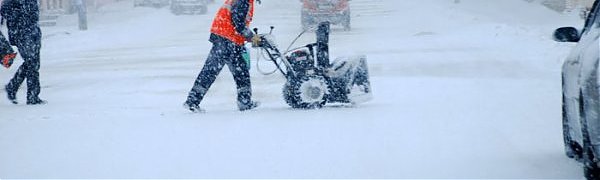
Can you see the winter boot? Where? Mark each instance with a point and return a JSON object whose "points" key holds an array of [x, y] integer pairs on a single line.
{"points": [[11, 95], [36, 101], [249, 106], [193, 107]]}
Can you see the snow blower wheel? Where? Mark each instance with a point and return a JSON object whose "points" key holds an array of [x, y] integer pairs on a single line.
{"points": [[306, 93]]}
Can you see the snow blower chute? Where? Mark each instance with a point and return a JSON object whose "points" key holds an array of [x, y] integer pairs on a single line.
{"points": [[312, 81]]}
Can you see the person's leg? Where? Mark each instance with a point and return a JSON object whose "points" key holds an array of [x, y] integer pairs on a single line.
{"points": [[241, 75], [13, 85], [212, 67], [31, 55]]}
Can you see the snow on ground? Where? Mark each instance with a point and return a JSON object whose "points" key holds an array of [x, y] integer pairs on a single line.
{"points": [[469, 90]]}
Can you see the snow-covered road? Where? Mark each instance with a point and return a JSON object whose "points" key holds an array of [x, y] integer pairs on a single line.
{"points": [[469, 90]]}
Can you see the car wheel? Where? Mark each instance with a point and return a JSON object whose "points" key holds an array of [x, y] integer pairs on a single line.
{"points": [[590, 166]]}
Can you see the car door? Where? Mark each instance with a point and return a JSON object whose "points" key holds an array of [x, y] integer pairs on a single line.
{"points": [[572, 73]]}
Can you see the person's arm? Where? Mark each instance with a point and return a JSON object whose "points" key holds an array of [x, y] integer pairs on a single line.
{"points": [[239, 11]]}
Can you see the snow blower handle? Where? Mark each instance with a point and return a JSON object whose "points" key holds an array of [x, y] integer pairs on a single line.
{"points": [[270, 32], [257, 39]]}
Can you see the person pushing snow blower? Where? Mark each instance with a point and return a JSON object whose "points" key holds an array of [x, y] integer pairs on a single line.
{"points": [[229, 32]]}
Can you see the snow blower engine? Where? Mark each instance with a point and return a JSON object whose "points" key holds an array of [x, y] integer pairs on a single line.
{"points": [[312, 81]]}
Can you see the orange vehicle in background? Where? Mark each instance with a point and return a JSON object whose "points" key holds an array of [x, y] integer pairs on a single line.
{"points": [[334, 11]]}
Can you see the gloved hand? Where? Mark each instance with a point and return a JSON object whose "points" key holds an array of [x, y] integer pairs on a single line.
{"points": [[256, 40]]}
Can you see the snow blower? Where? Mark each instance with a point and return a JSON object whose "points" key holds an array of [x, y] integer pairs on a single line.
{"points": [[312, 81]]}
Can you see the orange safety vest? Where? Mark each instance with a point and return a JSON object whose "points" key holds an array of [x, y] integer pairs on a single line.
{"points": [[223, 24]]}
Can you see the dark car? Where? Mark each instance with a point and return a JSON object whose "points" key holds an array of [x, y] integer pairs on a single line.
{"points": [[334, 11], [179, 7], [581, 93]]}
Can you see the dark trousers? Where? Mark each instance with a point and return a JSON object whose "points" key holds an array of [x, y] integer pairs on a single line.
{"points": [[223, 53], [29, 48]]}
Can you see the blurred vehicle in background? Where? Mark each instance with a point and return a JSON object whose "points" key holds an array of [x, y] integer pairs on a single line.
{"points": [[179, 7], [154, 3], [334, 11]]}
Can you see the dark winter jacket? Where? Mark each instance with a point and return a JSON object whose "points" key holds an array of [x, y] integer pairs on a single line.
{"points": [[239, 10], [22, 18]]}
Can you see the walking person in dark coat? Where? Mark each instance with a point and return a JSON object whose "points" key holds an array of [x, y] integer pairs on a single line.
{"points": [[229, 31], [22, 17]]}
